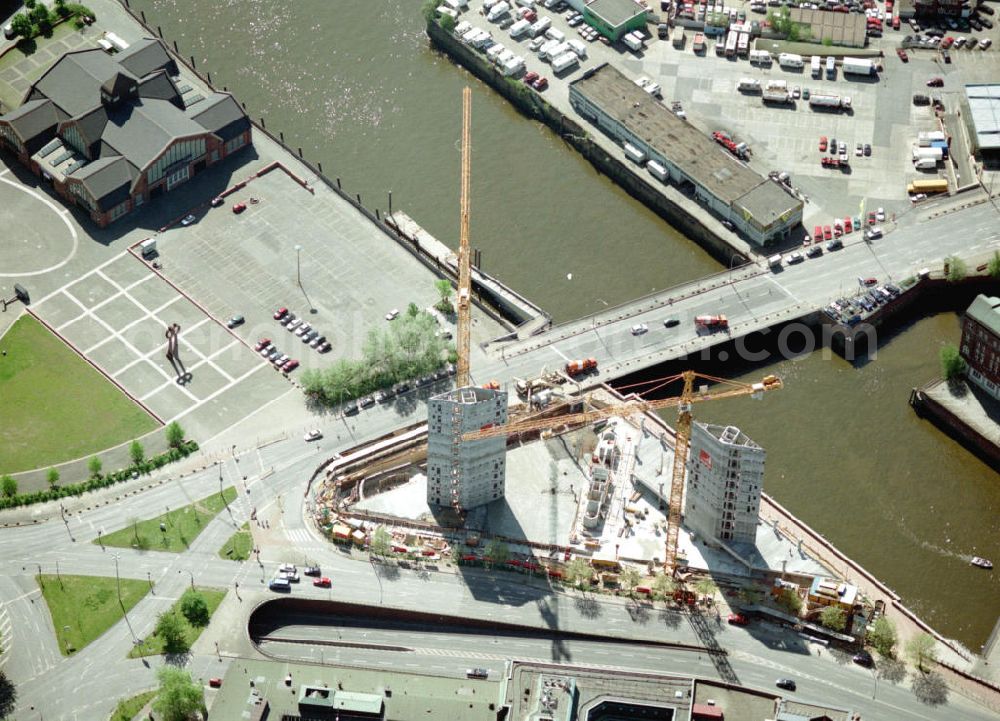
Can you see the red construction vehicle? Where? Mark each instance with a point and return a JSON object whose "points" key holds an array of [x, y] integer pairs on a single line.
{"points": [[711, 322]]}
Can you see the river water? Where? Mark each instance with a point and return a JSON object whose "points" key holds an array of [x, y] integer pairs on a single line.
{"points": [[356, 86]]}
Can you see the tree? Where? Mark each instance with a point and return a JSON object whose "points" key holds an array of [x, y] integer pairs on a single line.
{"points": [[179, 697], [497, 552], [8, 696], [170, 630], [429, 10], [664, 585], [706, 587], [952, 364], [136, 452], [882, 635], [8, 486], [41, 17], [52, 477], [579, 573], [628, 579], [94, 465], [993, 267], [381, 542], [790, 601], [447, 23], [920, 649], [834, 618], [444, 290], [21, 25], [955, 269], [194, 608], [175, 435]]}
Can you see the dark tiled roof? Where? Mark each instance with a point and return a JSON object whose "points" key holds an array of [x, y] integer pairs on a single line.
{"points": [[222, 115], [141, 131], [159, 85], [108, 180], [74, 82], [144, 57], [36, 119]]}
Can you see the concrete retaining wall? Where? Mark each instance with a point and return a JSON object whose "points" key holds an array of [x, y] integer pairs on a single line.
{"points": [[982, 447]]}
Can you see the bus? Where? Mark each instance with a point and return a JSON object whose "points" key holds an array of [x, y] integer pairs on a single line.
{"points": [[731, 40], [927, 186]]}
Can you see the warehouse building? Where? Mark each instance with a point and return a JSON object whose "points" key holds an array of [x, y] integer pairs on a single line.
{"points": [[612, 18], [761, 209], [113, 132], [982, 117]]}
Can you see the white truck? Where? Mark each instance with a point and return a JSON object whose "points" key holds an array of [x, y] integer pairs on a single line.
{"points": [[790, 60], [934, 154], [760, 57], [776, 95], [632, 42], [564, 62], [925, 138], [816, 63], [678, 38], [748, 85], [553, 52], [540, 26], [634, 154], [658, 171], [831, 67], [834, 102], [519, 29], [859, 66], [925, 164]]}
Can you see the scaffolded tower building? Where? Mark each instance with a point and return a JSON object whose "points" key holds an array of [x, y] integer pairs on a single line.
{"points": [[465, 474]]}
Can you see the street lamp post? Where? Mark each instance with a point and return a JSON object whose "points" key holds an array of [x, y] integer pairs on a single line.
{"points": [[298, 265], [118, 583], [192, 578]]}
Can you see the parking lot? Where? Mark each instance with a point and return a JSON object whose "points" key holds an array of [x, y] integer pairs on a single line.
{"points": [[786, 138]]}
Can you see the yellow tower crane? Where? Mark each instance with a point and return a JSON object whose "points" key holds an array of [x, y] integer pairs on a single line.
{"points": [[683, 403], [464, 269]]}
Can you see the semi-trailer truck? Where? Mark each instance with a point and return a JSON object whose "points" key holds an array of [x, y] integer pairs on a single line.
{"points": [[579, 367], [859, 66], [833, 102]]}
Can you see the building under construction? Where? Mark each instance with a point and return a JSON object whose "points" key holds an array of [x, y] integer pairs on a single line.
{"points": [[465, 474]]}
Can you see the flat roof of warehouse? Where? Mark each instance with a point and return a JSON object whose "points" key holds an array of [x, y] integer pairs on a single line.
{"points": [[984, 103], [840, 28], [696, 154], [615, 12]]}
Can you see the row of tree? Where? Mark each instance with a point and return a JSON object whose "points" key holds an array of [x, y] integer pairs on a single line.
{"points": [[408, 348], [38, 19], [137, 453]]}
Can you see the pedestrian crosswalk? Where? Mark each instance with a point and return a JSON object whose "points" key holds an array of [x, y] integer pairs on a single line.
{"points": [[302, 538], [5, 634]]}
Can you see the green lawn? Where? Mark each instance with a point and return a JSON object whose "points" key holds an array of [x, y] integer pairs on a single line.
{"points": [[127, 708], [84, 607], [56, 407], [153, 645], [239, 545], [182, 526]]}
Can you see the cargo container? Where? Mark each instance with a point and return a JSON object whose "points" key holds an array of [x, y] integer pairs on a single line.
{"points": [[790, 60], [565, 61], [634, 154], [924, 139], [817, 66], [632, 43], [658, 171], [922, 153], [859, 66], [928, 186], [943, 145]]}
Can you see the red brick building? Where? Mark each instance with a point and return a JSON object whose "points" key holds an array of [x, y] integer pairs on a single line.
{"points": [[981, 343]]}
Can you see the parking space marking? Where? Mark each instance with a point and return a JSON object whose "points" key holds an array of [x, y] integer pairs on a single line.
{"points": [[73, 282], [212, 396]]}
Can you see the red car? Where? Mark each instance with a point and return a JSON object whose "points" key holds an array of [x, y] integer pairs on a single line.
{"points": [[262, 344], [848, 226], [290, 366], [540, 84], [868, 282], [827, 233], [530, 77], [530, 16], [947, 42], [215, 682], [837, 229], [895, 23], [902, 55], [871, 218], [323, 582], [818, 233], [280, 313], [822, 143], [738, 619], [239, 208]]}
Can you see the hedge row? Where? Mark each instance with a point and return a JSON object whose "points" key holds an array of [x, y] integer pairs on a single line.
{"points": [[101, 481]]}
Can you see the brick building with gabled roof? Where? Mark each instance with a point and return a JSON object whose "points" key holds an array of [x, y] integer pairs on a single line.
{"points": [[112, 132]]}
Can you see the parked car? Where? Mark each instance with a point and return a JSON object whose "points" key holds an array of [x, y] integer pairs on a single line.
{"points": [[289, 366], [239, 207], [822, 143], [868, 282], [530, 77], [187, 220], [738, 619], [317, 341], [835, 244], [785, 683], [392, 314], [868, 150], [280, 584], [293, 324], [671, 322], [323, 582], [280, 313], [639, 329], [541, 84], [312, 571], [262, 344], [286, 319], [236, 320], [935, 83], [477, 673], [902, 55], [814, 251], [827, 232], [313, 435]]}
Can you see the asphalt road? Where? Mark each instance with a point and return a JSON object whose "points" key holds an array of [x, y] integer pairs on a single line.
{"points": [[100, 673]]}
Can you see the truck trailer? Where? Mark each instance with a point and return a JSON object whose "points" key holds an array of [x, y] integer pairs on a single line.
{"points": [[859, 66], [776, 96], [833, 102], [748, 85], [817, 66], [790, 60]]}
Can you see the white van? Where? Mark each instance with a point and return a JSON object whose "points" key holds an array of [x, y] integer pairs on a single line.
{"points": [[774, 262]]}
